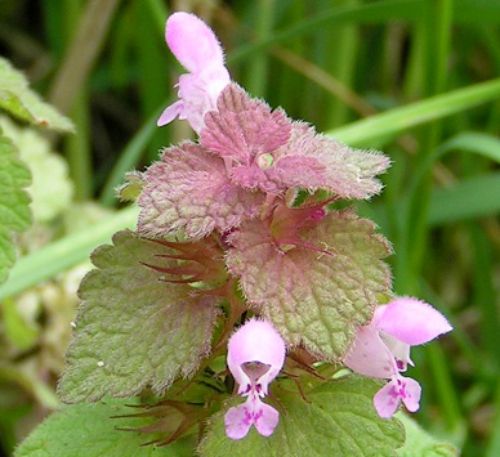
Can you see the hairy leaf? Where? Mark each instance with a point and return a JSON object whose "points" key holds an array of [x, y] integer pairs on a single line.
{"points": [[419, 443], [314, 298], [189, 190], [92, 430], [338, 419], [243, 127], [20, 101], [314, 161], [268, 151], [134, 330], [15, 213]]}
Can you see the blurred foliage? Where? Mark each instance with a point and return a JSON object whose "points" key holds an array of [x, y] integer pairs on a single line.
{"points": [[330, 62]]}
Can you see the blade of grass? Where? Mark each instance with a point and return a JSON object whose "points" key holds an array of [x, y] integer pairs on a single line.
{"points": [[78, 151], [371, 13], [41, 391], [477, 142], [60, 255], [480, 12], [438, 17], [385, 126], [465, 11], [258, 75], [493, 448], [159, 11], [446, 393], [152, 70], [82, 52], [77, 147], [341, 64], [484, 295], [468, 199]]}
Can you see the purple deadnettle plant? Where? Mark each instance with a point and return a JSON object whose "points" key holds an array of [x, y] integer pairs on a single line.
{"points": [[240, 248]]}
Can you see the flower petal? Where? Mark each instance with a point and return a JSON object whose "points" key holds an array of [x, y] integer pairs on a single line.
{"points": [[193, 42], [413, 391], [170, 113], [412, 321], [238, 421], [400, 351], [199, 92], [387, 401], [266, 420], [256, 341], [369, 355]]}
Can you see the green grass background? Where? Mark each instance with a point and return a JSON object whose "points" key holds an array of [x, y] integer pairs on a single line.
{"points": [[418, 79]]}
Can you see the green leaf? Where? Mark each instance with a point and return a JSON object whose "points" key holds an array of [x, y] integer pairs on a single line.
{"points": [[88, 430], [134, 330], [313, 298], [20, 101], [419, 443], [15, 215], [130, 190], [338, 419]]}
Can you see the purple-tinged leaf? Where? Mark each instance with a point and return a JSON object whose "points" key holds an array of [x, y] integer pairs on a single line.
{"points": [[243, 128], [314, 161], [188, 190], [313, 298], [266, 150], [134, 330]]}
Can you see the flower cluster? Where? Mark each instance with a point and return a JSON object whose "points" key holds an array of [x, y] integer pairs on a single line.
{"points": [[314, 275]]}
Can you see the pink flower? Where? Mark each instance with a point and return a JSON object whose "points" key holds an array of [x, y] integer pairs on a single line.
{"points": [[196, 47], [382, 349], [399, 389], [256, 353]]}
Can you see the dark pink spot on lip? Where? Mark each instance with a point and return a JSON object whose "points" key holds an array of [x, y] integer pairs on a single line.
{"points": [[317, 214]]}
